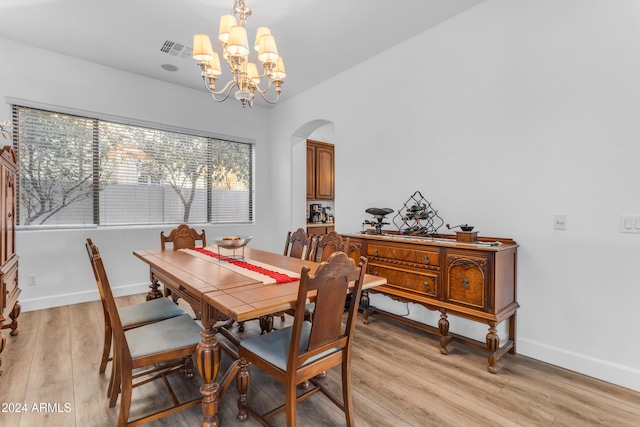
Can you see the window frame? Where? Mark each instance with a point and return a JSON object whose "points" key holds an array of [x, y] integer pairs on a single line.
{"points": [[96, 118]]}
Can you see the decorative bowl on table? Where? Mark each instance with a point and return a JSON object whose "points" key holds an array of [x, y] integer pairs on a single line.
{"points": [[232, 242]]}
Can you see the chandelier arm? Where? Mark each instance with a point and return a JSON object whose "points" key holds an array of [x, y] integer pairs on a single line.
{"points": [[227, 88], [268, 100], [265, 90]]}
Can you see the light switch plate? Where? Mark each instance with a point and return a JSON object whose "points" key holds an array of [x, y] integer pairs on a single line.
{"points": [[560, 222], [630, 223]]}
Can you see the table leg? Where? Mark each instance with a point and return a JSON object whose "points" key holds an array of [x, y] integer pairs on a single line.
{"points": [[208, 357], [266, 324], [154, 292]]}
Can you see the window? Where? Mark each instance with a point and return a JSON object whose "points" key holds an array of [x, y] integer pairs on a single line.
{"points": [[82, 171]]}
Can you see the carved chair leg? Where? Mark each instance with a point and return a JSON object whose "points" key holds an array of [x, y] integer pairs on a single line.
{"points": [[106, 347], [243, 379], [187, 371]]}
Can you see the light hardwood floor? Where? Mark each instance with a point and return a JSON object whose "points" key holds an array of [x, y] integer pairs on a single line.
{"points": [[399, 379]]}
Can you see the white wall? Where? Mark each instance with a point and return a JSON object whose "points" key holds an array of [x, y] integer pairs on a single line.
{"points": [[57, 257], [520, 110]]}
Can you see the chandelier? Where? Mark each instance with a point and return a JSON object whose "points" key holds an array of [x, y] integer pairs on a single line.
{"points": [[246, 80]]}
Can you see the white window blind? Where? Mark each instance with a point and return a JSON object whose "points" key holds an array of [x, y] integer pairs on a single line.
{"points": [[78, 171]]}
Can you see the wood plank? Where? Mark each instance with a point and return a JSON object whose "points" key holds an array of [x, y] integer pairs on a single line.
{"points": [[399, 379]]}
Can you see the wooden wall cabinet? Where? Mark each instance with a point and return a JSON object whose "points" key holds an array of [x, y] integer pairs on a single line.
{"points": [[319, 229], [470, 280], [320, 170], [9, 291]]}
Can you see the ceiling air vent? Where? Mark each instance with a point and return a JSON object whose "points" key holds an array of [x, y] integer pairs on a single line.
{"points": [[176, 49]]}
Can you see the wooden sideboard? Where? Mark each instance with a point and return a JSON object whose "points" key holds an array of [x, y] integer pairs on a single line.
{"points": [[9, 291], [476, 281]]}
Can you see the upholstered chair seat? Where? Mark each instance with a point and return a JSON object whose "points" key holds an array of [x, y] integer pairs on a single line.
{"points": [[163, 336], [274, 348], [149, 312]]}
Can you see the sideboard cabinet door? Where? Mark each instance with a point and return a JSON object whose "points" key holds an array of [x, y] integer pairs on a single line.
{"points": [[467, 280]]}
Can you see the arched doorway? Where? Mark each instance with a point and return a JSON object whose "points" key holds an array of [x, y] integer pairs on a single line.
{"points": [[320, 130]]}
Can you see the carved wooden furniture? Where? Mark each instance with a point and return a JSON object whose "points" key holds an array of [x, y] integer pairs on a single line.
{"points": [[320, 170], [9, 290], [155, 347], [131, 317], [319, 229], [324, 246], [301, 352], [476, 281], [212, 290], [297, 244], [183, 237]]}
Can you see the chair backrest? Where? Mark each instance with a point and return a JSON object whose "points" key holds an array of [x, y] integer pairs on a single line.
{"points": [[326, 245], [297, 245], [100, 291], [107, 296], [328, 287], [183, 237]]}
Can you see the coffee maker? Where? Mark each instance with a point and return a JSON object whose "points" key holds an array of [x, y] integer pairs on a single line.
{"points": [[315, 212]]}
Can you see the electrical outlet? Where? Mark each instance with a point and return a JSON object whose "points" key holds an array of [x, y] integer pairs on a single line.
{"points": [[32, 280]]}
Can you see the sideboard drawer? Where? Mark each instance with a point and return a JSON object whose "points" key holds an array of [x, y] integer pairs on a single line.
{"points": [[418, 282], [412, 255]]}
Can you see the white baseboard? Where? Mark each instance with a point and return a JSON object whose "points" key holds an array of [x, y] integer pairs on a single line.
{"points": [[624, 376], [79, 297]]}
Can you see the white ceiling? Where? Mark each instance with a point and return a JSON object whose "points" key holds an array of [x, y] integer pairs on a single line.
{"points": [[317, 38]]}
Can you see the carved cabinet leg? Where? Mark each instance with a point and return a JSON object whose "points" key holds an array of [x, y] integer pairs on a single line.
{"points": [[208, 357], [14, 319], [493, 344], [445, 338]]}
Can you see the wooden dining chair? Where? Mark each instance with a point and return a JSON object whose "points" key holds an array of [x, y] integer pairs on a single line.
{"points": [[154, 350], [183, 237], [304, 350], [326, 245], [297, 244], [131, 316]]}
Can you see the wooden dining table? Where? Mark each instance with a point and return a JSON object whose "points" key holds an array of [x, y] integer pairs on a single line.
{"points": [[220, 294]]}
